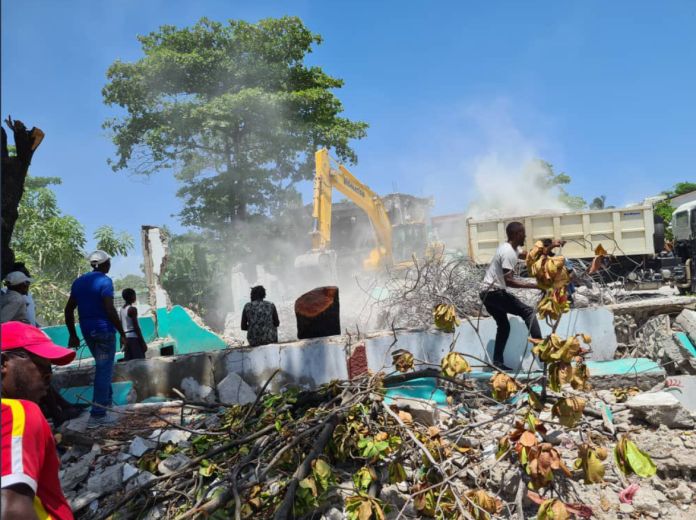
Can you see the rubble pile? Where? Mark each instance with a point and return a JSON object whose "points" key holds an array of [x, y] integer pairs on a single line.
{"points": [[338, 450]]}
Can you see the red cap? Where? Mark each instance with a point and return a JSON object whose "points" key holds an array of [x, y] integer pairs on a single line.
{"points": [[31, 339]]}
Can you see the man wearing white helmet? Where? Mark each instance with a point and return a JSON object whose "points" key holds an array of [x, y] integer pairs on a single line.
{"points": [[92, 294]]}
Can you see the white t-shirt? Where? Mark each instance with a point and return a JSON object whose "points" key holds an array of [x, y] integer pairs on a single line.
{"points": [[505, 258]]}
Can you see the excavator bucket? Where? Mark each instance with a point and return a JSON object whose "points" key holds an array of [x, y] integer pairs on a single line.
{"points": [[319, 267]]}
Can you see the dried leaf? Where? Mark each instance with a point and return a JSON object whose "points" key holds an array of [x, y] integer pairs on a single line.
{"points": [[403, 360], [503, 386], [454, 364], [365, 510], [552, 509], [484, 501], [406, 418], [568, 410]]}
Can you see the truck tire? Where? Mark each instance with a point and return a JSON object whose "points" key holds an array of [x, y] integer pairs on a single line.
{"points": [[659, 237]]}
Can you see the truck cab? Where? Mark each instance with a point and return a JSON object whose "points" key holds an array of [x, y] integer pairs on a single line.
{"points": [[684, 229]]}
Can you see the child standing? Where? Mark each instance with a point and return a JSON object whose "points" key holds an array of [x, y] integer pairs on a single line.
{"points": [[136, 346]]}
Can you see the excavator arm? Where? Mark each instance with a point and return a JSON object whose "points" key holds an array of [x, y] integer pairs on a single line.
{"points": [[329, 175]]}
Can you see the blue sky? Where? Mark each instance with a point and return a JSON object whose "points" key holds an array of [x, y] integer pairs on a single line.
{"points": [[602, 90]]}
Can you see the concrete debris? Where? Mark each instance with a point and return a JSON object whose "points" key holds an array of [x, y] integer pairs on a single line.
{"points": [[195, 391], [81, 501], [233, 390], [687, 321], [75, 475], [140, 447], [173, 464], [661, 408], [106, 481], [140, 480], [176, 437], [648, 500], [129, 471]]}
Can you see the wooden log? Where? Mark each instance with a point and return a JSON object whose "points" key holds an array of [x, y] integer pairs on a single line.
{"points": [[318, 313]]}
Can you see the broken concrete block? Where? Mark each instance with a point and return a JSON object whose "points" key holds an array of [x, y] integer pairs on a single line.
{"points": [[129, 471], [158, 512], [648, 500], [83, 500], [395, 498], [123, 456], [75, 475], [233, 390], [140, 480], [106, 481], [682, 493], [76, 452], [422, 411], [194, 391], [176, 437], [661, 408], [173, 464], [140, 447], [687, 321]]}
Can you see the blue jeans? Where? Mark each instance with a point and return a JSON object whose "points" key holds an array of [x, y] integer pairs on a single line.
{"points": [[102, 345]]}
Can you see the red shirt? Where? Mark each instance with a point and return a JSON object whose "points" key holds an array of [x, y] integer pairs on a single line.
{"points": [[29, 457]]}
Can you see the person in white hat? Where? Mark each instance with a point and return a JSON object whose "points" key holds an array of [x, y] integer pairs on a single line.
{"points": [[12, 303], [92, 294]]}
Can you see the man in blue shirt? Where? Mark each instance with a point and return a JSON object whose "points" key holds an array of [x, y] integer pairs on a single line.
{"points": [[92, 294]]}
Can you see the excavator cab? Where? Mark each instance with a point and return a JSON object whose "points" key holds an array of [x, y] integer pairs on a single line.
{"points": [[408, 239]]}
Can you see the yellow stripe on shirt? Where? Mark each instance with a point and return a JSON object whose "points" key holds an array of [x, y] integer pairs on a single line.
{"points": [[18, 418], [39, 509]]}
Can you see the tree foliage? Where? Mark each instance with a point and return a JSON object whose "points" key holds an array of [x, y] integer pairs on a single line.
{"points": [[558, 181], [233, 110], [52, 246]]}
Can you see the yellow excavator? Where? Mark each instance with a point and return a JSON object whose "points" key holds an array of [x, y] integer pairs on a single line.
{"points": [[395, 245]]}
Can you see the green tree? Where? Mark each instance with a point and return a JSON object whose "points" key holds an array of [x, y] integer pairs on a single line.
{"points": [[598, 202], [52, 246], [664, 209], [133, 281], [550, 180], [233, 110], [116, 244]]}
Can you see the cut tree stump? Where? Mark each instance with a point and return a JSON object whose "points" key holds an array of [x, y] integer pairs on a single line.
{"points": [[318, 313], [14, 173]]}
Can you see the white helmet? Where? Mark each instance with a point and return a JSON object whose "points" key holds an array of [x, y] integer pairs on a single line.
{"points": [[98, 258]]}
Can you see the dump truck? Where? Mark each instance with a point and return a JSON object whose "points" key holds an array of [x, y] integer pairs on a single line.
{"points": [[633, 236]]}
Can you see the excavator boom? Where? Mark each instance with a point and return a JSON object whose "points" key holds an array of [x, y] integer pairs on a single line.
{"points": [[330, 175]]}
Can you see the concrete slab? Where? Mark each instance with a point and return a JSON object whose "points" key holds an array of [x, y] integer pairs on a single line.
{"points": [[684, 389], [477, 337]]}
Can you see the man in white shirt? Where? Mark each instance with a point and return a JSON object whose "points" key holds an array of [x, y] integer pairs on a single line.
{"points": [[498, 301]]}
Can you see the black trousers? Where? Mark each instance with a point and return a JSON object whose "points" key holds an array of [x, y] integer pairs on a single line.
{"points": [[499, 303], [134, 349]]}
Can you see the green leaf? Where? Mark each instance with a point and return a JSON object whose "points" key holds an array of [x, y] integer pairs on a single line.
{"points": [[323, 475], [397, 473], [640, 462]]}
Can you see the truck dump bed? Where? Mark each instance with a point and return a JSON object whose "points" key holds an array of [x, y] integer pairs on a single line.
{"points": [[622, 232]]}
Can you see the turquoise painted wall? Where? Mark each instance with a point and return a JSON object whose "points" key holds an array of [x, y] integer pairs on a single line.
{"points": [[176, 324], [59, 336], [189, 336]]}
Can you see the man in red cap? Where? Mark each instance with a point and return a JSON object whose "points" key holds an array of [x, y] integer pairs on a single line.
{"points": [[30, 464]]}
